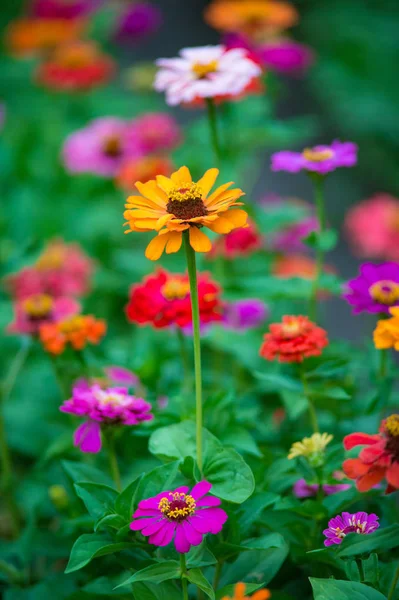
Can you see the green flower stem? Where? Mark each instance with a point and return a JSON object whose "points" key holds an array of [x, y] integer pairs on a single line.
{"points": [[184, 582], [113, 461], [63, 387], [15, 367], [184, 360], [311, 406], [216, 577], [192, 273], [214, 129], [7, 478], [318, 182], [394, 583], [383, 368]]}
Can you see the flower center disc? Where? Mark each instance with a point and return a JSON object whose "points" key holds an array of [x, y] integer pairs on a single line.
{"points": [[317, 156], [72, 324], [53, 258], [112, 146], [175, 289], [203, 70], [291, 329], [39, 306], [185, 202], [385, 292], [178, 507]]}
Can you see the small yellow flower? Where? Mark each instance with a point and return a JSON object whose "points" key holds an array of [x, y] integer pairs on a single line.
{"points": [[309, 446], [173, 205], [386, 334]]}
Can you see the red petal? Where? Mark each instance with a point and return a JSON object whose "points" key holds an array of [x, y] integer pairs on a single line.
{"points": [[360, 439], [368, 481], [393, 475], [371, 454], [354, 468]]}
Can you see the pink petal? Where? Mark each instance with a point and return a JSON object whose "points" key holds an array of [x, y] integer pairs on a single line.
{"points": [[141, 524], [154, 526], [182, 544], [149, 512], [209, 501], [209, 520], [88, 437], [193, 536], [200, 489], [168, 531]]}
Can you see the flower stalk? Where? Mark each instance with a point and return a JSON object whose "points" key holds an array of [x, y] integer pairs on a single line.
{"points": [[192, 273], [394, 583], [213, 126], [318, 182], [184, 582], [113, 461], [311, 407]]}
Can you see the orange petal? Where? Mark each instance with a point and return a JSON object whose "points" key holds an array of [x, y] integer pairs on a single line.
{"points": [[393, 475], [218, 191], [370, 479], [207, 181], [174, 242], [199, 241], [156, 247], [239, 591], [221, 225], [183, 175], [237, 216], [140, 202], [151, 191], [147, 224], [165, 183], [227, 196], [261, 595], [354, 468], [162, 221]]}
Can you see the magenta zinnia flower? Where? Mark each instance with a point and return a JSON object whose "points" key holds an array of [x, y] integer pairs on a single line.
{"points": [[244, 314], [111, 406], [286, 56], [375, 290], [155, 132], [137, 21], [341, 525], [319, 159], [302, 489], [184, 516], [99, 148]]}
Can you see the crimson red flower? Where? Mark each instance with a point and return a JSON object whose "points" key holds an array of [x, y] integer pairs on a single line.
{"points": [[163, 300], [239, 242], [78, 66], [293, 340], [378, 460]]}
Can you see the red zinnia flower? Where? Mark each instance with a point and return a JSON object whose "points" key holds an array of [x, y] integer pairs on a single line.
{"points": [[239, 242], [293, 340], [163, 299], [378, 460], [76, 67]]}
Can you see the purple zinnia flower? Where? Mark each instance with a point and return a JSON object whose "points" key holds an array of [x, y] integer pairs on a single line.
{"points": [[341, 525], [111, 406], [286, 56], [302, 489], [319, 159], [375, 290], [137, 21], [99, 148], [291, 238], [184, 516], [244, 314]]}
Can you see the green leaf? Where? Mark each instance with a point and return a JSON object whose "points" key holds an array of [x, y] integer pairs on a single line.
{"points": [[352, 570], [126, 500], [294, 403], [151, 591], [196, 577], [326, 240], [169, 569], [231, 477], [371, 569], [278, 382], [228, 590], [331, 589], [253, 508], [80, 472], [200, 556], [335, 393], [90, 546], [97, 497], [156, 481], [381, 540], [112, 520]]}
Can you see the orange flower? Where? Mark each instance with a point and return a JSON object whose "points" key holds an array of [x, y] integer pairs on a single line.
{"points": [[30, 36], [293, 340], [76, 66], [386, 334], [239, 594], [176, 204], [76, 331], [254, 18], [142, 169]]}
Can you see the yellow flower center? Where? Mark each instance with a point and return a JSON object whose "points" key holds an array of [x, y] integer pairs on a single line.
{"points": [[175, 289], [38, 306], [178, 506], [292, 328], [73, 324], [184, 192], [112, 146], [385, 292], [392, 425], [202, 70], [109, 398], [52, 258], [317, 155]]}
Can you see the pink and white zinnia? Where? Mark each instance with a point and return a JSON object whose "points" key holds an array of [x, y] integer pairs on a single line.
{"points": [[184, 516], [205, 72]]}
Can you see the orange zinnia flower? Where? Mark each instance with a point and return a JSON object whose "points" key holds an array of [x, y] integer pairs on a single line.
{"points": [[76, 331], [30, 36], [293, 340], [251, 17], [386, 334], [176, 204], [239, 594]]}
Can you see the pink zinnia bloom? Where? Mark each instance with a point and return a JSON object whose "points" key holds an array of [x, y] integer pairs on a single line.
{"points": [[291, 238], [112, 376], [111, 406], [341, 525], [155, 133], [62, 9], [61, 270], [239, 242], [35, 310], [372, 227], [319, 159], [205, 72], [302, 489], [244, 314], [286, 56], [184, 516], [99, 148]]}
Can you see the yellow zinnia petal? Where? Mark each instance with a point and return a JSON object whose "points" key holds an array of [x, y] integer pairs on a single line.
{"points": [[183, 175], [199, 241], [221, 225], [151, 191], [165, 183], [174, 242], [217, 192], [147, 224], [207, 181], [156, 247], [237, 216], [227, 196]]}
